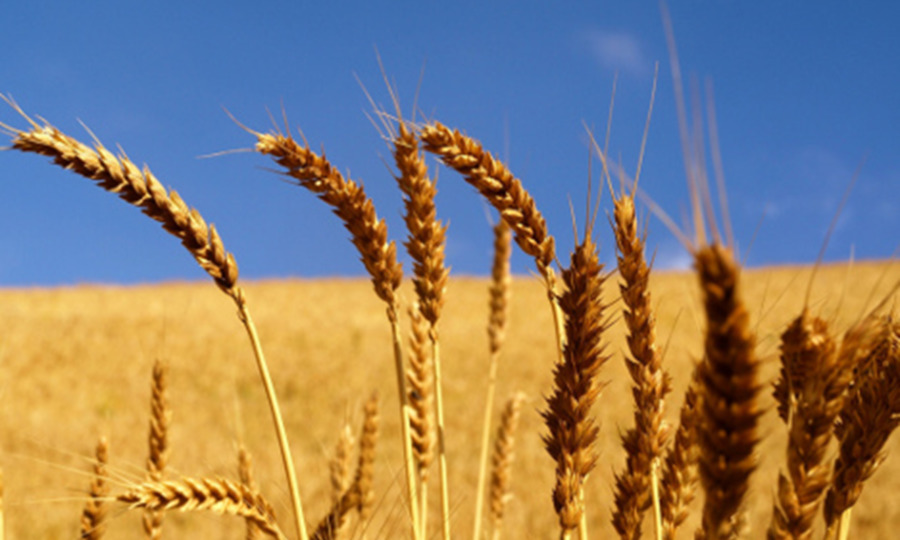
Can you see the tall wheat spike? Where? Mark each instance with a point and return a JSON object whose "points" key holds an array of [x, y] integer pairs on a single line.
{"points": [[339, 466], [572, 431], [369, 235], [245, 474], [160, 416], [425, 244], [93, 517], [501, 462], [499, 293], [119, 175]]}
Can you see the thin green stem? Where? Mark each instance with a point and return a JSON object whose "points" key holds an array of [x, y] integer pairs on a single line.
{"points": [[286, 460]]}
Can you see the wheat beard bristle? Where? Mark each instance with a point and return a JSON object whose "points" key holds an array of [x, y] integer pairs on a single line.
{"points": [[572, 431], [214, 494], [729, 387], [139, 187], [350, 203], [869, 416], [93, 517], [644, 443]]}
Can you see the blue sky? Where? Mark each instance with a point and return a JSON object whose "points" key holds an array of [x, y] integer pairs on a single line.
{"points": [[803, 92]]}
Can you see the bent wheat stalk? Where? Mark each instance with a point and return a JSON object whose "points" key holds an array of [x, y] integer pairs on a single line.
{"points": [[119, 175]]}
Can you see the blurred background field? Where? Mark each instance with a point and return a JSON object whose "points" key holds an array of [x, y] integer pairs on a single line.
{"points": [[75, 364]]}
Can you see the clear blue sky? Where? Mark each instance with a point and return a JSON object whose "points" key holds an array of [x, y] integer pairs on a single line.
{"points": [[803, 92]]}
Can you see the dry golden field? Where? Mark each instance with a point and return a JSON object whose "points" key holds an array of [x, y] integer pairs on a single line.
{"points": [[76, 364]]}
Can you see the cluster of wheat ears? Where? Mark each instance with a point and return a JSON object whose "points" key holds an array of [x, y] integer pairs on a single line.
{"points": [[830, 387]]}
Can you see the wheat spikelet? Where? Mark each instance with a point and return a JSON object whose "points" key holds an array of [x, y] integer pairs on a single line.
{"points": [[728, 385], [118, 174], [245, 474], [678, 480], [419, 378], [501, 461], [214, 494], [160, 415], [869, 416], [572, 431], [810, 393], [350, 203], [93, 517], [644, 443]]}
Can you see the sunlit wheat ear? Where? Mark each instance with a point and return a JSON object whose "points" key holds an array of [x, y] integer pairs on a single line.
{"points": [[213, 494], [809, 393], [339, 467], [729, 387], [679, 478], [140, 188], [572, 431], [501, 462], [160, 416], [245, 474], [349, 202], [869, 416], [119, 175], [93, 517], [645, 442]]}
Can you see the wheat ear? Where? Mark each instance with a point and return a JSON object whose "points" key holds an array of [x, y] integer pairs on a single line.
{"points": [[420, 377], [160, 416], [869, 416], [499, 305], [139, 187], [214, 494], [678, 480], [245, 474], [644, 443], [425, 244], [501, 462], [729, 387], [369, 235], [810, 393], [505, 192], [572, 430], [339, 466], [93, 517]]}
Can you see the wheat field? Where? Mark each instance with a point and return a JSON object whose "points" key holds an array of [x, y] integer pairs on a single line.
{"points": [[77, 363]]}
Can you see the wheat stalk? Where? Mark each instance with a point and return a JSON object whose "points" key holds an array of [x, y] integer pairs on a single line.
{"points": [[572, 431], [645, 442], [425, 244], [369, 235], [505, 192], [501, 461], [160, 416], [141, 188], [214, 494], [729, 387], [93, 517], [499, 293]]}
